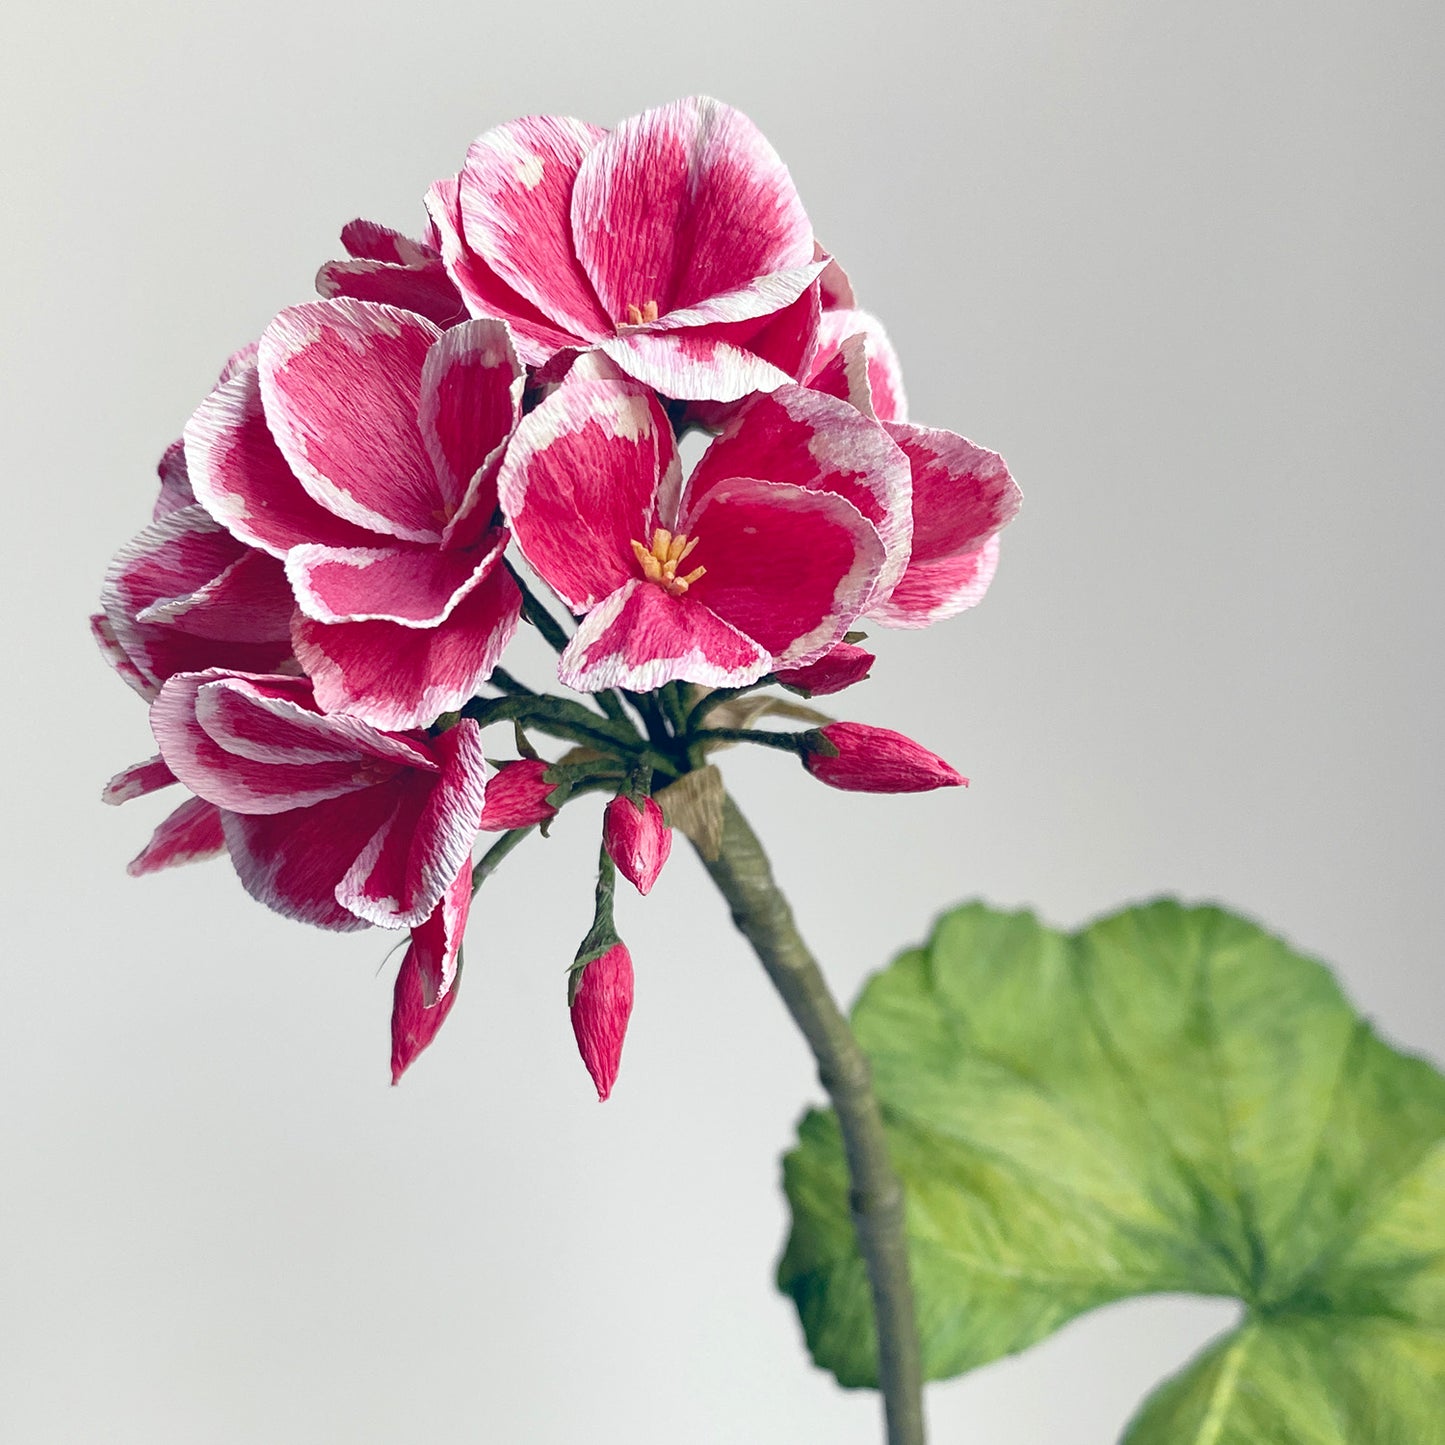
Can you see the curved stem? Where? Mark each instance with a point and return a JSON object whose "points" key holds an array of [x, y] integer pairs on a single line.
{"points": [[764, 918]]}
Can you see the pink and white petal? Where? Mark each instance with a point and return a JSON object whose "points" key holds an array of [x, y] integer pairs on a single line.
{"points": [[189, 834], [516, 209], [417, 1010], [138, 780], [789, 567], [436, 944], [962, 493], [115, 654], [684, 203], [811, 440], [249, 601], [371, 241], [693, 365], [931, 591], [837, 288], [293, 862], [400, 877], [398, 677], [874, 382], [411, 586], [760, 298], [423, 287], [242, 480], [341, 384], [482, 290], [471, 399], [579, 484], [834, 671], [175, 489], [640, 637], [214, 771]]}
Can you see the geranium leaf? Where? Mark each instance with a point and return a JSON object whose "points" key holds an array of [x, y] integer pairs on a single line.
{"points": [[1169, 1100]]}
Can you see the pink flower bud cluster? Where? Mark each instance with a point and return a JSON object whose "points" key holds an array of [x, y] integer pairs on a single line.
{"points": [[333, 569]]}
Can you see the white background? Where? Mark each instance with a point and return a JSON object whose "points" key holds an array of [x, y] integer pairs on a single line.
{"points": [[1179, 262]]}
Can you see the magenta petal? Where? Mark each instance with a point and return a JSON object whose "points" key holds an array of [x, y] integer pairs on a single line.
{"points": [[371, 241], [423, 287], [962, 493], [944, 587], [640, 637], [175, 489], [425, 985], [247, 602], [399, 878], [831, 673], [138, 780], [110, 648], [189, 834], [682, 204], [243, 481], [579, 484], [856, 361], [341, 382], [637, 840], [515, 202], [292, 862], [693, 365], [600, 1010], [405, 677]]}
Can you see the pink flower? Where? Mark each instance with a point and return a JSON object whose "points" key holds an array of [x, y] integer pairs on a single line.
{"points": [[517, 796], [669, 243], [878, 760], [389, 267], [426, 983], [601, 1006], [841, 668], [637, 840], [328, 819], [795, 519], [963, 494], [361, 447]]}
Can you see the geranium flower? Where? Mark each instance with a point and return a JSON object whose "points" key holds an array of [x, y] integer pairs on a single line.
{"points": [[361, 447], [670, 243], [795, 519], [389, 267]]}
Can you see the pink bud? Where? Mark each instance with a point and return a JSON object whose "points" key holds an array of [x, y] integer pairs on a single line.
{"points": [[600, 1010], [637, 840], [413, 1024], [832, 672], [517, 796], [878, 760]]}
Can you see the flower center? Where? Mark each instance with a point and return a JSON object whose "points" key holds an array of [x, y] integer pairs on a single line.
{"points": [[639, 315], [666, 555]]}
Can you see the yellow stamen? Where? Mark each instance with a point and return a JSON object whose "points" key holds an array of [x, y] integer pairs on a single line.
{"points": [[640, 315], [660, 562]]}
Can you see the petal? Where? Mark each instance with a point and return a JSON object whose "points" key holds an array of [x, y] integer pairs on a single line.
{"points": [[400, 876], [411, 586], [115, 654], [248, 601], [292, 862], [425, 990], [189, 834], [579, 484], [341, 383], [371, 241], [243, 481], [810, 440], [835, 670], [138, 780], [962, 493], [790, 567], [837, 288], [516, 208], [405, 677], [684, 203], [931, 591], [856, 361], [471, 399], [640, 638], [484, 292], [693, 365], [175, 489], [424, 287]]}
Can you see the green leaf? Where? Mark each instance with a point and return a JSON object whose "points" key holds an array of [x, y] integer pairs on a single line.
{"points": [[1170, 1100]]}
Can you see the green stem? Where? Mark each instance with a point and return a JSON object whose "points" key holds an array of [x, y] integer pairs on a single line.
{"points": [[708, 701], [786, 742], [491, 860], [557, 717], [762, 915], [535, 611]]}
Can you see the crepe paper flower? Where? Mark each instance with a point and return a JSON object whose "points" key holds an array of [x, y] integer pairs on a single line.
{"points": [[601, 1005], [426, 983], [787, 530], [517, 796], [863, 759], [361, 447], [668, 243], [637, 839], [841, 668], [389, 267], [328, 819], [188, 835]]}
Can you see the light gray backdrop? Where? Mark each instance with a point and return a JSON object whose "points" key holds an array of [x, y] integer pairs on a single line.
{"points": [[1179, 262]]}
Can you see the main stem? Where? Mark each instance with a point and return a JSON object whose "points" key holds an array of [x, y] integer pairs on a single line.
{"points": [[764, 918]]}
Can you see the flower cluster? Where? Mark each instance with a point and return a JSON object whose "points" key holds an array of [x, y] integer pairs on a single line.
{"points": [[334, 568]]}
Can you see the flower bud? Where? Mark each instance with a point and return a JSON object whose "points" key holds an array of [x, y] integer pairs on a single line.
{"points": [[414, 1023], [517, 796], [601, 1006], [637, 840], [832, 672], [876, 760]]}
